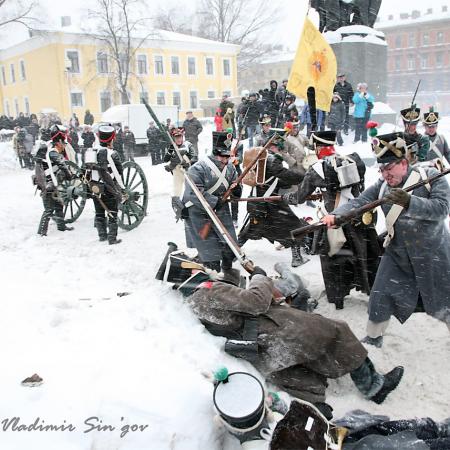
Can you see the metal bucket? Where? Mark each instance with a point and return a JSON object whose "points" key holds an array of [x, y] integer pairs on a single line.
{"points": [[347, 173]]}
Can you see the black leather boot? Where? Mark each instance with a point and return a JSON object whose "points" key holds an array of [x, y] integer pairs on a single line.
{"points": [[112, 234], [100, 224]]}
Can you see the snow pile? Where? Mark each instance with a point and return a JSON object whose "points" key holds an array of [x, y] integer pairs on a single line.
{"points": [[138, 359], [382, 108], [355, 33], [8, 158]]}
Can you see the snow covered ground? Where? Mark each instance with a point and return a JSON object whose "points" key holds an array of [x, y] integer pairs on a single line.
{"points": [[139, 359]]}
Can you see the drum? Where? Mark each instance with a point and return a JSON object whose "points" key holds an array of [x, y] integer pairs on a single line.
{"points": [[239, 400]]}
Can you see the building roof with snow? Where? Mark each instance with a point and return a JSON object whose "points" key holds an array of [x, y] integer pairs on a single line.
{"points": [[413, 18]]}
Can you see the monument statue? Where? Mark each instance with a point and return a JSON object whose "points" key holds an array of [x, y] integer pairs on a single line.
{"points": [[340, 13]]}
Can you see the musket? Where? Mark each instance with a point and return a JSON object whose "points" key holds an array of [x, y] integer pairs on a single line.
{"points": [[358, 212], [204, 231], [413, 105], [234, 247], [272, 198]]}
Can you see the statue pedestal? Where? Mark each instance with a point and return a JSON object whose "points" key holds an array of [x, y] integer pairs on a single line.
{"points": [[361, 53]]}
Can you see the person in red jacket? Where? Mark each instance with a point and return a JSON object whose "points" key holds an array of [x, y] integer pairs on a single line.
{"points": [[218, 120]]}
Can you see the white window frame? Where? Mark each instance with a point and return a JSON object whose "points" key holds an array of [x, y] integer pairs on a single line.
{"points": [[100, 99], [3, 75], [146, 65], [154, 65], [97, 64], [26, 101], [179, 66], [413, 65], [23, 76], [424, 58], [16, 106], [12, 73], [196, 92], [195, 66], [427, 34], [7, 110], [228, 92], [210, 90], [436, 60], [442, 41], [76, 91], [80, 65], [156, 98], [223, 67], [213, 66]]}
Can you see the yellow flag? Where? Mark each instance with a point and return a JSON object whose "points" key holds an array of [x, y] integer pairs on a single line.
{"points": [[314, 65]]}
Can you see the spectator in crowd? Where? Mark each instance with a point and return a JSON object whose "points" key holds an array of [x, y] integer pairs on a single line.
{"points": [[74, 142], [33, 129], [250, 111], [225, 104], [336, 117], [218, 120], [228, 121], [74, 122], [118, 141], [345, 91], [192, 129], [363, 101], [156, 143], [5, 123], [129, 142], [305, 119], [88, 140], [88, 118]]}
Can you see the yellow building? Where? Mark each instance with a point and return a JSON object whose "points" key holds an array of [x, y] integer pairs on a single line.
{"points": [[70, 72]]}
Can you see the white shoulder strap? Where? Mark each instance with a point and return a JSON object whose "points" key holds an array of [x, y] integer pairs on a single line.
{"points": [[318, 167], [272, 187], [220, 176], [382, 190], [50, 169], [434, 147], [423, 175], [113, 167]]}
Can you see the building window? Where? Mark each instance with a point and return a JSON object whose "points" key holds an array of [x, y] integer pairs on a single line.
{"points": [[13, 73], [23, 74], [193, 103], [74, 62], [440, 37], [143, 95], [425, 39], [227, 93], [176, 99], [209, 66], [159, 65], [3, 76], [160, 98], [211, 94], [226, 67], [411, 62], [412, 40], [16, 105], [7, 110], [175, 65], [439, 60], [424, 62], [76, 98], [142, 64], [191, 65], [27, 105], [105, 100], [123, 61], [102, 62], [397, 63], [398, 41]]}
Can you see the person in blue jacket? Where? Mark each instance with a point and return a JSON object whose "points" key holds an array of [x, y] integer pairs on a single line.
{"points": [[363, 102]]}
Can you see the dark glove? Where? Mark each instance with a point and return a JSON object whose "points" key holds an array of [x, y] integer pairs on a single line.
{"points": [[185, 164], [220, 204], [168, 168], [258, 271], [399, 197], [290, 198]]}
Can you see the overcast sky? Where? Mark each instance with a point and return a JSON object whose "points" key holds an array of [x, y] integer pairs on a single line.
{"points": [[286, 32]]}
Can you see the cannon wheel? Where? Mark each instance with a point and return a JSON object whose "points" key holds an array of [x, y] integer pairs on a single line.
{"points": [[74, 195], [132, 212]]}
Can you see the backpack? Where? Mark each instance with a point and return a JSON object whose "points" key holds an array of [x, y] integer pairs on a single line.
{"points": [[340, 172]]}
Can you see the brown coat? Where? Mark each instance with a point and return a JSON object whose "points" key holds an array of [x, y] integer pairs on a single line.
{"points": [[287, 337]]}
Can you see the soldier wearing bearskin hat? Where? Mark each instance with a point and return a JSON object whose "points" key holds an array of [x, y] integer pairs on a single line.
{"points": [[417, 143], [51, 170], [438, 145], [348, 255], [273, 221], [213, 176], [413, 272]]}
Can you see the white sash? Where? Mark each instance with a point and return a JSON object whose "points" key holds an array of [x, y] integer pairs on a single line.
{"points": [[115, 173], [220, 176], [434, 148], [51, 169], [272, 187]]}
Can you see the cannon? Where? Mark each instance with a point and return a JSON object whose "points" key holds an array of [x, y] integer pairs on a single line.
{"points": [[132, 211]]}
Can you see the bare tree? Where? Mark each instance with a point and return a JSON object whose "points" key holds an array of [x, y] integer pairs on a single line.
{"points": [[172, 19], [16, 11], [121, 29], [243, 22]]}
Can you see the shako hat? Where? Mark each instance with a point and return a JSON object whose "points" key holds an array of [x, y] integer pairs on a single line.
{"points": [[325, 138], [176, 131], [410, 115], [278, 139], [389, 147], [266, 120], [221, 143], [431, 117], [58, 133], [106, 133]]}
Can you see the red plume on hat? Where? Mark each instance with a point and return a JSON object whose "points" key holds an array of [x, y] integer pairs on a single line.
{"points": [[372, 127]]}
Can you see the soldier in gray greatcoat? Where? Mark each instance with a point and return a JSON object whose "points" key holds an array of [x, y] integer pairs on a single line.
{"points": [[438, 145], [414, 272], [213, 176], [296, 350]]}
